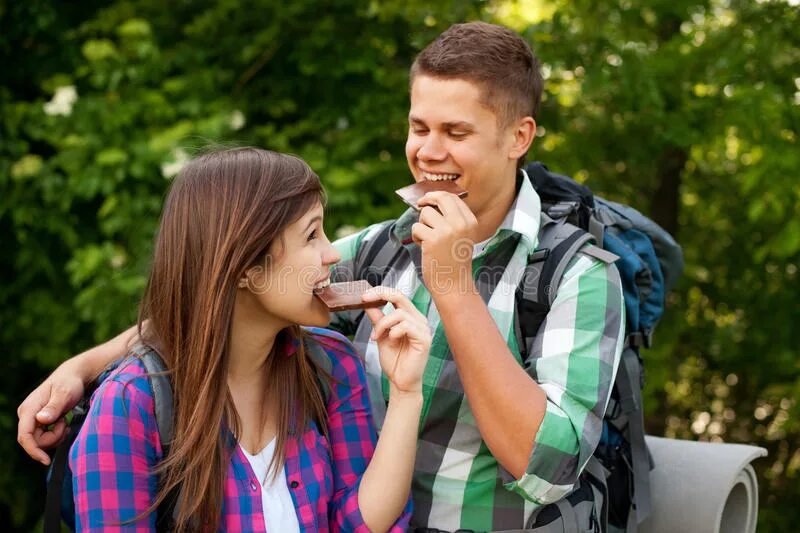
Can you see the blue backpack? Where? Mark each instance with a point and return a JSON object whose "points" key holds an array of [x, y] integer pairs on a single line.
{"points": [[649, 262]]}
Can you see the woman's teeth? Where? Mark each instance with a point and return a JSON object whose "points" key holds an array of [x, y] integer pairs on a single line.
{"points": [[322, 284], [439, 177]]}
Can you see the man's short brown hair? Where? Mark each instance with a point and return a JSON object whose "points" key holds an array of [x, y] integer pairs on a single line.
{"points": [[495, 58]]}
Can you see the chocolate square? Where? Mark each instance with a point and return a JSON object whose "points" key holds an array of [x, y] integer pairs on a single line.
{"points": [[347, 295], [412, 193]]}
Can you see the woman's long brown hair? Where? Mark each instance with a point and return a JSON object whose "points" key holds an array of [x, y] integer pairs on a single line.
{"points": [[223, 212]]}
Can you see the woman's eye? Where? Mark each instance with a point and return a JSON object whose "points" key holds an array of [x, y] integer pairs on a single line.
{"points": [[313, 235]]}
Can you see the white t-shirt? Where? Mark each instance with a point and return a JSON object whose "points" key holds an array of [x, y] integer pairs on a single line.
{"points": [[279, 513]]}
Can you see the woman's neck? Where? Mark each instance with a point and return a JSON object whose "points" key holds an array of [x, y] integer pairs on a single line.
{"points": [[251, 341]]}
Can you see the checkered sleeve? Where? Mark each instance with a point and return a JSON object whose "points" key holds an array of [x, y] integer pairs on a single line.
{"points": [[113, 455], [352, 436], [574, 359]]}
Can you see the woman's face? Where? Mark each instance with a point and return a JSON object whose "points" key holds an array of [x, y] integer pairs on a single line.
{"points": [[283, 289]]}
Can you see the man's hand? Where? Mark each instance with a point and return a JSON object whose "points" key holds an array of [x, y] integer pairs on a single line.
{"points": [[445, 233], [41, 416]]}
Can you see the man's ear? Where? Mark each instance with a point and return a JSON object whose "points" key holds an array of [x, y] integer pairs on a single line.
{"points": [[523, 131]]}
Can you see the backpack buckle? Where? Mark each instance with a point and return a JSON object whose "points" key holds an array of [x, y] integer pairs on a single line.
{"points": [[562, 209]]}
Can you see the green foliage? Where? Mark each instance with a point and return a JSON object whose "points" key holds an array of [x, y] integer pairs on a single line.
{"points": [[686, 109]]}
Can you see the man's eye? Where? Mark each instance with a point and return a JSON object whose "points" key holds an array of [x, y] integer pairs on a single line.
{"points": [[419, 131], [458, 135]]}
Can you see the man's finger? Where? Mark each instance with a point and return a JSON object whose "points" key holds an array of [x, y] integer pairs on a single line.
{"points": [[31, 447], [52, 437], [420, 232], [447, 203], [60, 402], [431, 217]]}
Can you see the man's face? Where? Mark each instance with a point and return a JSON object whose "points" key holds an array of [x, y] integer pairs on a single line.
{"points": [[452, 135]]}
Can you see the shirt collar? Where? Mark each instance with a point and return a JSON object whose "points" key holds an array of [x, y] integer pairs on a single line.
{"points": [[523, 218]]}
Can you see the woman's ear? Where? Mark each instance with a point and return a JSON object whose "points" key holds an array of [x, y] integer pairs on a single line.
{"points": [[524, 132]]}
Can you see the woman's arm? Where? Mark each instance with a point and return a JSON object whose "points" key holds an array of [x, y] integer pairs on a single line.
{"points": [[404, 339], [114, 454]]}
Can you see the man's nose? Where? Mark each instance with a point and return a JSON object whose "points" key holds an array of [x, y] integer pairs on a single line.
{"points": [[432, 148]]}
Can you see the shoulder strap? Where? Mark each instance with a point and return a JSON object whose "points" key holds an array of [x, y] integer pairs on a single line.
{"points": [[559, 241], [323, 364], [376, 255], [162, 394], [163, 407]]}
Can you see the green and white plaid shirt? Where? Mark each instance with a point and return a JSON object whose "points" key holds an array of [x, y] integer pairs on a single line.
{"points": [[457, 481]]}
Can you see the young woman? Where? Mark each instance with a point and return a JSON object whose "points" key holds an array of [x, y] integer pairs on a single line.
{"points": [[258, 443]]}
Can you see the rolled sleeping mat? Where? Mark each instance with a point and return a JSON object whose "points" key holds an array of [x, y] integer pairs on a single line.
{"points": [[702, 487]]}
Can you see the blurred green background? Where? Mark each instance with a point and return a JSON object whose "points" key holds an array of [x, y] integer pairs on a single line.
{"points": [[687, 110]]}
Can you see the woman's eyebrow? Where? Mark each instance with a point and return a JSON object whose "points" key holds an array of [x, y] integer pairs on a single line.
{"points": [[312, 222]]}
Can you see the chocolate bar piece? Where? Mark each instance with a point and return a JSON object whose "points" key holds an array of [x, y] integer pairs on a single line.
{"points": [[346, 295], [412, 193]]}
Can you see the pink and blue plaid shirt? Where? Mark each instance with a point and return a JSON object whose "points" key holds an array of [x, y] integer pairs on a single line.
{"points": [[118, 445]]}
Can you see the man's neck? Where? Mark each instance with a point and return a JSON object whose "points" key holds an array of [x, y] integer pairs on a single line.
{"points": [[490, 219]]}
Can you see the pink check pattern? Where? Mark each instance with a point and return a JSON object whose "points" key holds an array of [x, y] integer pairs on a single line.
{"points": [[118, 446]]}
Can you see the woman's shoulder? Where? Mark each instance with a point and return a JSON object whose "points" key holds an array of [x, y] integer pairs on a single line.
{"points": [[341, 353], [330, 340], [127, 382]]}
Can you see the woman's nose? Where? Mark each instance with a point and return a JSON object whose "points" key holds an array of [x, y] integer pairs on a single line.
{"points": [[331, 256]]}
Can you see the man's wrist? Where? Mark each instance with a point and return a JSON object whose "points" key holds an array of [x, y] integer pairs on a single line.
{"points": [[454, 293], [86, 366]]}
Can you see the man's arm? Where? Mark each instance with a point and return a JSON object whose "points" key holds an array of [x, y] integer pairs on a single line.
{"points": [[59, 393], [542, 433], [542, 427]]}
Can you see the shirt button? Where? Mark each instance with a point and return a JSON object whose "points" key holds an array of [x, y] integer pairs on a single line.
{"points": [[253, 486], [294, 484]]}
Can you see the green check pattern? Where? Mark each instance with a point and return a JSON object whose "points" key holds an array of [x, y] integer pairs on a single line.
{"points": [[457, 482]]}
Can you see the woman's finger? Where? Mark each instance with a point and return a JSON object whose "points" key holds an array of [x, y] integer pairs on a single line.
{"points": [[391, 295], [387, 322]]}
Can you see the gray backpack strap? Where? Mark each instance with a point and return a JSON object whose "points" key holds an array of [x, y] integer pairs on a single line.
{"points": [[322, 362], [376, 255], [559, 241], [162, 392], [563, 240], [630, 399], [163, 407]]}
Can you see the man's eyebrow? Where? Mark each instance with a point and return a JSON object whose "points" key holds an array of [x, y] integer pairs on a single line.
{"points": [[458, 124], [312, 222]]}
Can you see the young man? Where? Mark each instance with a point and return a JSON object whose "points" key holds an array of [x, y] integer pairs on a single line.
{"points": [[503, 442]]}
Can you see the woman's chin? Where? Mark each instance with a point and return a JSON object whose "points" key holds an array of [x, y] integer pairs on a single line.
{"points": [[317, 319]]}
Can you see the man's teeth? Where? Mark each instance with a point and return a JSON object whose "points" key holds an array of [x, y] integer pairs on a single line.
{"points": [[322, 284], [439, 177]]}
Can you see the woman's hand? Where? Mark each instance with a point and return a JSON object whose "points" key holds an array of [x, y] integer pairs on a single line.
{"points": [[403, 339]]}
